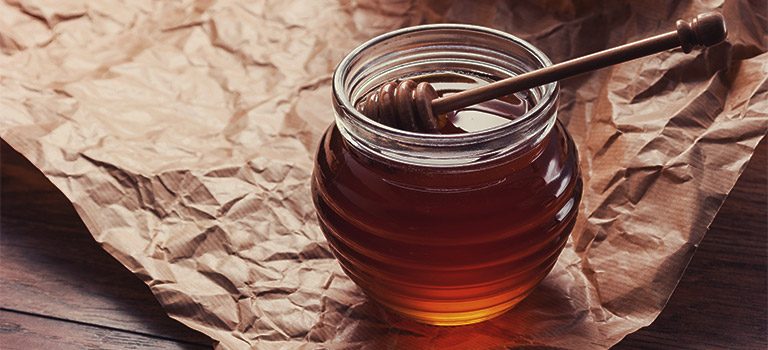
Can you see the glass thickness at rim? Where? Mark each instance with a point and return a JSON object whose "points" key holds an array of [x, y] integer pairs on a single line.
{"points": [[347, 107]]}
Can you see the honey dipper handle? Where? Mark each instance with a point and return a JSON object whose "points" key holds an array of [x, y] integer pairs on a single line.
{"points": [[705, 30]]}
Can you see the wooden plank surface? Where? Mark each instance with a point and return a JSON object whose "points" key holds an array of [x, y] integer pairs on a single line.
{"points": [[23, 331], [722, 300], [51, 266], [58, 287]]}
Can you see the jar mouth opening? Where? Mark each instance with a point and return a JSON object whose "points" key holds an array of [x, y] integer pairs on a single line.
{"points": [[347, 106]]}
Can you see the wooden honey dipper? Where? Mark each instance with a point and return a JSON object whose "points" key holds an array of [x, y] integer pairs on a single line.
{"points": [[410, 106]]}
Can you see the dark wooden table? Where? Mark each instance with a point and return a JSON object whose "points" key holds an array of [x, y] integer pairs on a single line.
{"points": [[60, 290]]}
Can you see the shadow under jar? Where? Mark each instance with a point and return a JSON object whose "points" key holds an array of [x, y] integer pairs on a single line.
{"points": [[446, 229]]}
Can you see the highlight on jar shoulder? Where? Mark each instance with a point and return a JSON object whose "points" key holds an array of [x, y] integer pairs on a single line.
{"points": [[446, 187]]}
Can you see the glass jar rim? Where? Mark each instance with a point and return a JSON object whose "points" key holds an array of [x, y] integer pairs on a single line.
{"points": [[347, 107]]}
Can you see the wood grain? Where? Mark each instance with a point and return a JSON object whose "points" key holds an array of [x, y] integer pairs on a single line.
{"points": [[51, 266], [59, 289], [722, 300], [20, 331]]}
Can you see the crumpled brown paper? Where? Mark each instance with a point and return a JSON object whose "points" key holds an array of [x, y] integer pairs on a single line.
{"points": [[183, 132]]}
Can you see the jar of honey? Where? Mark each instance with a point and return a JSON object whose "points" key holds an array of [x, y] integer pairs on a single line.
{"points": [[454, 227]]}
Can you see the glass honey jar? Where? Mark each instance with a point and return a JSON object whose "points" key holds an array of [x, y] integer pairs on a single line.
{"points": [[456, 227]]}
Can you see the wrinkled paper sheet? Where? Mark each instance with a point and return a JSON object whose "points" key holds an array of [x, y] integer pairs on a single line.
{"points": [[184, 135]]}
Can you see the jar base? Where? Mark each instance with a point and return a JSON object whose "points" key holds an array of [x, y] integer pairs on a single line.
{"points": [[449, 319]]}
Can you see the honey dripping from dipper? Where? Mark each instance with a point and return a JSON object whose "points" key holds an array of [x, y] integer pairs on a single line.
{"points": [[478, 117]]}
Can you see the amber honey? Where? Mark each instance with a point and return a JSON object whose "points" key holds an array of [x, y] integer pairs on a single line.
{"points": [[461, 227], [449, 246]]}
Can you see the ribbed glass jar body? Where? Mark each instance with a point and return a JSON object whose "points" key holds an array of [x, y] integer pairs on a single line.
{"points": [[445, 229]]}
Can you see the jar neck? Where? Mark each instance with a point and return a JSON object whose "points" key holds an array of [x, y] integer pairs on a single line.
{"points": [[440, 48]]}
